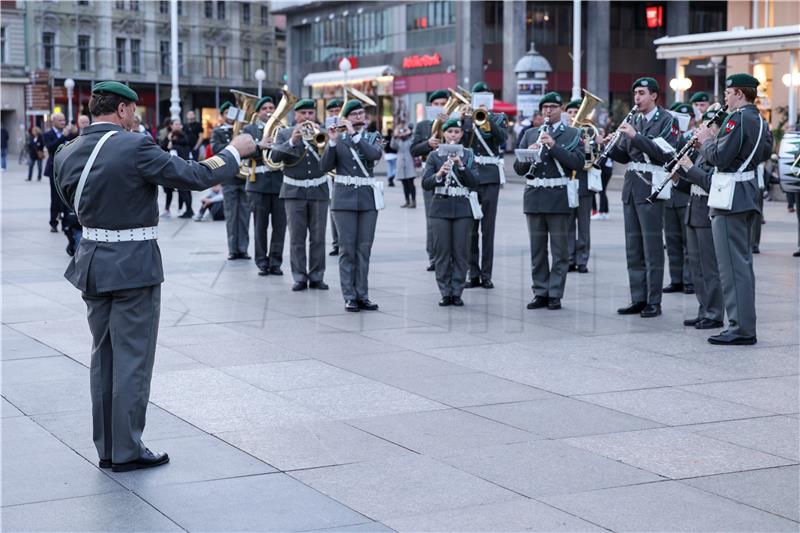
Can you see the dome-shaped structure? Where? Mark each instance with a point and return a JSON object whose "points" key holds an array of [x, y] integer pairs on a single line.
{"points": [[531, 62]]}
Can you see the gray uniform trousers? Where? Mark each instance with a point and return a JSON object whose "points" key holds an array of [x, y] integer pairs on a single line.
{"points": [[121, 366], [549, 281], [675, 237], [307, 217], [705, 273], [268, 208], [451, 253], [732, 238], [334, 233], [237, 217], [481, 259], [356, 233], [644, 250], [756, 236], [580, 240], [427, 197]]}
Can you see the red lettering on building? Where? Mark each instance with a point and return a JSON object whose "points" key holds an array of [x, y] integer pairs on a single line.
{"points": [[421, 61]]}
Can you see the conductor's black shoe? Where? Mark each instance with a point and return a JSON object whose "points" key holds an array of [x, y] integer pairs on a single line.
{"points": [[554, 303], [487, 284], [319, 285], [688, 289], [445, 301], [335, 251], [299, 286], [263, 272], [756, 250], [275, 271], [673, 287], [731, 339], [148, 460], [53, 229], [572, 267], [650, 311], [431, 267], [457, 301], [352, 306], [366, 305], [538, 302], [244, 255], [796, 254], [691, 322], [104, 463], [233, 257], [582, 269], [707, 323], [472, 283], [632, 309]]}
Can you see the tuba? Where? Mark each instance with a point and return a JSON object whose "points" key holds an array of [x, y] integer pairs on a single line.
{"points": [[274, 123], [454, 101], [589, 132]]}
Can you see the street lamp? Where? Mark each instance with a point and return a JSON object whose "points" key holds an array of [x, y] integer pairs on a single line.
{"points": [[260, 77], [680, 86], [716, 61], [345, 66], [69, 84]]}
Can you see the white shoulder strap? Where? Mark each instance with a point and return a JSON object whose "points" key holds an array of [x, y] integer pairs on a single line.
{"points": [[755, 148], [88, 167]]}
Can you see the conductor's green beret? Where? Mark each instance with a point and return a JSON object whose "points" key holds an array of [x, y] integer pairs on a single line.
{"points": [[115, 87]]}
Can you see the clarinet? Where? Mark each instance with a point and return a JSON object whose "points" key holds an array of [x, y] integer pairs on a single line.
{"points": [[672, 165], [542, 129], [603, 157]]}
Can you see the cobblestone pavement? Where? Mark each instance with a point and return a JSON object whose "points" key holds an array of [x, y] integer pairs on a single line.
{"points": [[282, 412]]}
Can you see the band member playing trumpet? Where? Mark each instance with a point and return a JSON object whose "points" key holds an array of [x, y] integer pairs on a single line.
{"points": [[644, 221], [306, 194], [546, 203], [579, 235], [450, 180], [353, 152], [265, 201], [332, 110]]}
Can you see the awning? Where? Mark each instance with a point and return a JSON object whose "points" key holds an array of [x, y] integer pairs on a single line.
{"points": [[733, 42], [336, 77], [504, 107]]}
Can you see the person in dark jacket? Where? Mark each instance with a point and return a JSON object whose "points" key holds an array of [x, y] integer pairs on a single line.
{"points": [[35, 152], [178, 143], [53, 138]]}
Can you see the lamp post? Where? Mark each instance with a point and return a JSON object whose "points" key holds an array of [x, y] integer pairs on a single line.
{"points": [[716, 61], [260, 77], [576, 49], [345, 66], [69, 85], [174, 98]]}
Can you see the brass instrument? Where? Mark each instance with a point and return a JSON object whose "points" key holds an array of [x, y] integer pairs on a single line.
{"points": [[454, 101], [480, 117], [274, 122], [589, 132], [312, 134], [247, 103]]}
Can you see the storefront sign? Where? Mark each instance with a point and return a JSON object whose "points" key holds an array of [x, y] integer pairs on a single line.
{"points": [[421, 61]]}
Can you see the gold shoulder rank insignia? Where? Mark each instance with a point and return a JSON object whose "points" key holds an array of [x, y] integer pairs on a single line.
{"points": [[213, 162]]}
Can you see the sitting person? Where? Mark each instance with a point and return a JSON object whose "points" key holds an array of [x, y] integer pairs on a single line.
{"points": [[213, 204]]}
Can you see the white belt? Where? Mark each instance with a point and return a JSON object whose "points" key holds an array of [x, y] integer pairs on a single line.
{"points": [[121, 235], [698, 191], [645, 167], [262, 169], [487, 160], [357, 181], [452, 191], [546, 182], [738, 176], [316, 182]]}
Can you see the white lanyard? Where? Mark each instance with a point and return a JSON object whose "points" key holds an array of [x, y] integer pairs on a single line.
{"points": [[88, 167]]}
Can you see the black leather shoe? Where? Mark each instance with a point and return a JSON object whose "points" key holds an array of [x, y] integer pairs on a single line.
{"points": [[366, 305], [538, 302], [299, 286], [707, 323], [554, 303], [445, 301], [688, 289], [796, 254], [431, 267], [104, 463], [756, 250], [53, 229], [263, 272], [632, 309], [233, 257], [487, 284], [187, 214], [650, 311], [730, 339], [70, 249], [351, 306], [335, 251], [472, 283], [319, 285], [673, 287], [457, 301], [582, 269], [275, 271], [148, 460], [244, 255], [572, 267], [691, 322]]}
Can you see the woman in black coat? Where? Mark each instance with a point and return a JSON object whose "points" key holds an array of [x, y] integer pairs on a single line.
{"points": [[177, 142], [35, 152]]}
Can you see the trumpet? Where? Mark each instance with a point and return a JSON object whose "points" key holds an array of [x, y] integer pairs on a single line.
{"points": [[313, 134], [603, 157]]}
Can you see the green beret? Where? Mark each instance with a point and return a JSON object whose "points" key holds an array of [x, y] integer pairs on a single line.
{"points": [[699, 97], [334, 103], [674, 105], [451, 123], [224, 107], [574, 104], [550, 98], [435, 95], [649, 83], [350, 106], [681, 107], [115, 87], [480, 87], [305, 103], [264, 100], [741, 80]]}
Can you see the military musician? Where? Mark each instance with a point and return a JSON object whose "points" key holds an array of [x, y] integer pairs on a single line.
{"points": [[700, 102], [579, 225], [332, 110]]}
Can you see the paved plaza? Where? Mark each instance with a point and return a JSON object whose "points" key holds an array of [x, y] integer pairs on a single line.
{"points": [[282, 412]]}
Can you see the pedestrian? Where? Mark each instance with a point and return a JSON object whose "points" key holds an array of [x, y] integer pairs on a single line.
{"points": [[83, 123], [406, 171], [57, 135], [111, 176], [390, 155], [35, 152], [194, 131], [3, 148], [177, 143]]}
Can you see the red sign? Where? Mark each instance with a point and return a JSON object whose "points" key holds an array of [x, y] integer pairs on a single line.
{"points": [[654, 16], [421, 61]]}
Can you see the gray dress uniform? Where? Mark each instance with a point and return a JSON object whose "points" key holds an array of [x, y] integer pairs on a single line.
{"points": [[733, 228], [700, 241], [546, 206], [675, 233], [451, 220], [644, 222], [121, 281], [267, 207], [421, 148], [306, 205], [353, 207], [488, 164], [237, 210], [579, 224]]}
